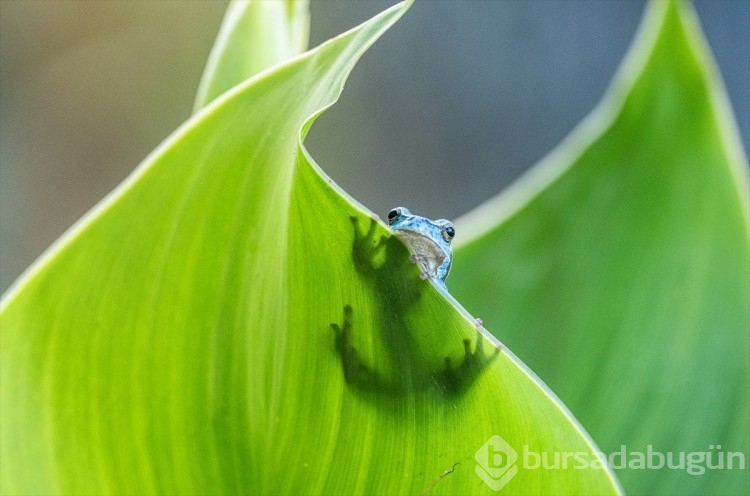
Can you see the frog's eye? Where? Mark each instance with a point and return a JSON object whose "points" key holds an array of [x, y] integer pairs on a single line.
{"points": [[396, 214], [448, 233]]}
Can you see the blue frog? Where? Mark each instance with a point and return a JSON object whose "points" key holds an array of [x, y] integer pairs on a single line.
{"points": [[428, 240]]}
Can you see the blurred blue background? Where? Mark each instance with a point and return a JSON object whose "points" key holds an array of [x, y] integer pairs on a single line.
{"points": [[456, 101]]}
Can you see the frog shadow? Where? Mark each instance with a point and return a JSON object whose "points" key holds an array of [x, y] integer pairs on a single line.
{"points": [[382, 261]]}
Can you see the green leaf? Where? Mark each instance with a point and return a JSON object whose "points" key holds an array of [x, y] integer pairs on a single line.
{"points": [[228, 321], [619, 268], [255, 35]]}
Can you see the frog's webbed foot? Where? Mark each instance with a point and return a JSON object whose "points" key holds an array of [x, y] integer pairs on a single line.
{"points": [[456, 380], [367, 246]]}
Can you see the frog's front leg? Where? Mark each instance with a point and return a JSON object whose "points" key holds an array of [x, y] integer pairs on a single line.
{"points": [[457, 380]]}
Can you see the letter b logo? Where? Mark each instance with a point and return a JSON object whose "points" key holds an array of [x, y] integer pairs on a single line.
{"points": [[496, 463], [496, 458]]}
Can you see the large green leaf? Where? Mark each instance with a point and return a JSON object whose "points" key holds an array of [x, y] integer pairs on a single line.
{"points": [[619, 268], [229, 321]]}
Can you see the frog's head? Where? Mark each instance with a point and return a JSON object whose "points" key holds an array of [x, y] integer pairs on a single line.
{"points": [[428, 240], [440, 231]]}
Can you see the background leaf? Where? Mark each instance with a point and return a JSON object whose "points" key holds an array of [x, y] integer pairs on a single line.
{"points": [[179, 340], [254, 36], [620, 267]]}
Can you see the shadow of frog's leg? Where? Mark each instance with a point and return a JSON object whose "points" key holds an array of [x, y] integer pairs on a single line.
{"points": [[366, 247], [353, 367], [458, 380], [356, 372]]}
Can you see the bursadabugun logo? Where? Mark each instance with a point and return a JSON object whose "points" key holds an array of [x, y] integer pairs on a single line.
{"points": [[496, 462]]}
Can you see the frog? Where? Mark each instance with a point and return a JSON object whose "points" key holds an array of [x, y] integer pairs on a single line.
{"points": [[401, 366], [428, 240]]}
